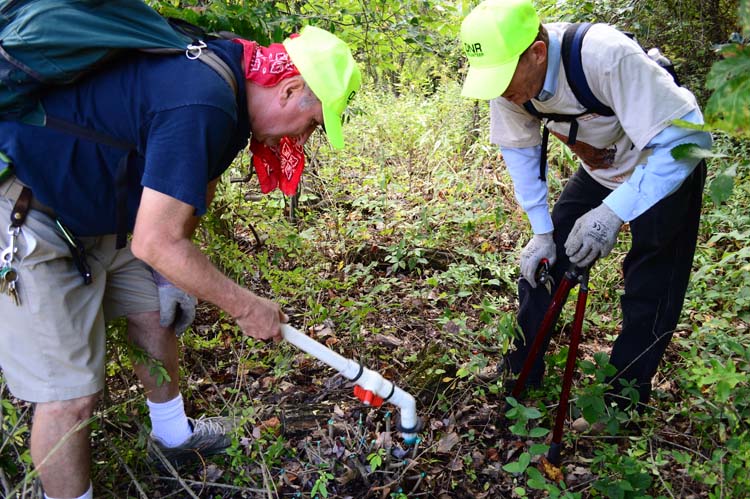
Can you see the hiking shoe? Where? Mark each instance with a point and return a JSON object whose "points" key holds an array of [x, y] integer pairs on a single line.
{"points": [[210, 436]]}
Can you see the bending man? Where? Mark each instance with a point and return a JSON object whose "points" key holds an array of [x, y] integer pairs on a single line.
{"points": [[187, 125]]}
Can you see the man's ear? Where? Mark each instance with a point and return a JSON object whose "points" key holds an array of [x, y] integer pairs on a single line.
{"points": [[289, 88], [538, 51]]}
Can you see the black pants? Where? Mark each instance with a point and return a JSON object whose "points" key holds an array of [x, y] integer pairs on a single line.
{"points": [[656, 270]]}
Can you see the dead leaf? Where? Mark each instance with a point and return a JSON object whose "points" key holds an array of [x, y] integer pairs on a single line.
{"points": [[452, 328], [266, 381], [550, 470], [388, 340], [349, 475], [513, 448], [493, 454], [448, 442], [271, 424], [285, 386], [338, 412], [456, 464], [577, 475], [213, 472], [257, 371], [321, 331], [384, 440]]}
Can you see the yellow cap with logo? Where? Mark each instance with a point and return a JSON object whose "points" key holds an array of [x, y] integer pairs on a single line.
{"points": [[327, 65], [494, 35]]}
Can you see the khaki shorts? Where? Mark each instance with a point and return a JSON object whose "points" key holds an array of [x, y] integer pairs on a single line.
{"points": [[52, 346]]}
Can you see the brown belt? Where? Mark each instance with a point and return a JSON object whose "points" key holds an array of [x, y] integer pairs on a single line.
{"points": [[13, 188]]}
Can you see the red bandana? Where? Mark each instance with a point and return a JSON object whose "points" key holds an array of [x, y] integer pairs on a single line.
{"points": [[279, 166]]}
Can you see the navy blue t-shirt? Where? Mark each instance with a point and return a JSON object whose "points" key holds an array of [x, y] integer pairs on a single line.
{"points": [[187, 124]]}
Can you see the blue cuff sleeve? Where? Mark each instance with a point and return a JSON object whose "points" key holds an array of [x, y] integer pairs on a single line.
{"points": [[531, 193], [662, 174]]}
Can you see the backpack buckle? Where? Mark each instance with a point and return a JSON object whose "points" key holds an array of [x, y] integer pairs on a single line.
{"points": [[195, 50]]}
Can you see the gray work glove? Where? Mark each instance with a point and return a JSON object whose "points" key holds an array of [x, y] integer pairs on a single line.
{"points": [[176, 307], [593, 236], [541, 246]]}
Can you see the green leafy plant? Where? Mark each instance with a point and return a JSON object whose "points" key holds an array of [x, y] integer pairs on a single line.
{"points": [[728, 108], [375, 459], [320, 487], [622, 476], [522, 416]]}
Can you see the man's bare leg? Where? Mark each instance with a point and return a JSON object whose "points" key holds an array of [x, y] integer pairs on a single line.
{"points": [[60, 446], [161, 344]]}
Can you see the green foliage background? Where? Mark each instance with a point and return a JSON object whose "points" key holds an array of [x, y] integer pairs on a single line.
{"points": [[419, 182]]}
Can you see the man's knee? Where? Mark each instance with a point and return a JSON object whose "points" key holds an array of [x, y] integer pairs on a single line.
{"points": [[144, 328], [145, 321], [80, 409]]}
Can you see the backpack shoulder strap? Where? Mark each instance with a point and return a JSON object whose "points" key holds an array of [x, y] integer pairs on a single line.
{"points": [[205, 55], [529, 107], [572, 61], [214, 62]]}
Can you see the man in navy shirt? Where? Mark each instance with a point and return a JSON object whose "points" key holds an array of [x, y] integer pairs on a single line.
{"points": [[187, 124]]}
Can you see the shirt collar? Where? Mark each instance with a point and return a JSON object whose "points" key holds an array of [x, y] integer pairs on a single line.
{"points": [[553, 68]]}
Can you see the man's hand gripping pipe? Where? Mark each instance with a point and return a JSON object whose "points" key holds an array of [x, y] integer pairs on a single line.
{"points": [[371, 388]]}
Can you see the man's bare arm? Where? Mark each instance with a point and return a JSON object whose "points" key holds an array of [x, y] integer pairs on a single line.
{"points": [[162, 239]]}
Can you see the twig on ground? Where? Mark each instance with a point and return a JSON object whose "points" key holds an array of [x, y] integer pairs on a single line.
{"points": [[130, 473], [353, 458], [661, 479], [186, 481], [5, 483]]}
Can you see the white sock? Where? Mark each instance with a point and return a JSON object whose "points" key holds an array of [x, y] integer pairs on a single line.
{"points": [[89, 494], [168, 421]]}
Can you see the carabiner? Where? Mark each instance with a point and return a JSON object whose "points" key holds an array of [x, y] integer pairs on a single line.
{"points": [[10, 251], [194, 51]]}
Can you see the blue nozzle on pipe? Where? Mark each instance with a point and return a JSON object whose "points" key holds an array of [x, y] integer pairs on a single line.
{"points": [[411, 440]]}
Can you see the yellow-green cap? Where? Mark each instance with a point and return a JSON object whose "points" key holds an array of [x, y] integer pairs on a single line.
{"points": [[327, 65], [493, 36]]}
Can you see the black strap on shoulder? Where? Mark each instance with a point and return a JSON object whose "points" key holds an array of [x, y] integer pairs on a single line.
{"points": [[86, 133], [572, 134], [532, 110], [573, 63], [217, 64], [209, 58], [543, 154], [122, 174]]}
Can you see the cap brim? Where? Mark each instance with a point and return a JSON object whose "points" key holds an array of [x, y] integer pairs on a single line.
{"points": [[488, 83], [332, 122]]}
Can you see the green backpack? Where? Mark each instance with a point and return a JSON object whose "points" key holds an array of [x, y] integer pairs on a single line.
{"points": [[54, 42]]}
